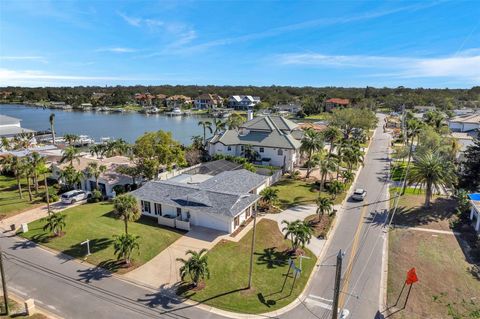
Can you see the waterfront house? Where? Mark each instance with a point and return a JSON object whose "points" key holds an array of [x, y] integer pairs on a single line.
{"points": [[275, 139], [106, 182], [424, 108], [11, 127], [222, 201], [466, 123], [243, 102], [144, 99], [177, 101], [208, 101], [336, 103]]}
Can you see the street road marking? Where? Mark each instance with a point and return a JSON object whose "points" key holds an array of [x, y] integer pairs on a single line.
{"points": [[346, 277], [17, 291], [318, 297], [318, 303]]}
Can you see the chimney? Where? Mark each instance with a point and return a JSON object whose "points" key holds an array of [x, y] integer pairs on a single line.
{"points": [[249, 115]]}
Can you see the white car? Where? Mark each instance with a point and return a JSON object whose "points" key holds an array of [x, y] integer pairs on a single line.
{"points": [[73, 196], [359, 194]]}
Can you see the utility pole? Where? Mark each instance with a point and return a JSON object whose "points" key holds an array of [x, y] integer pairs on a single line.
{"points": [[4, 284], [252, 250], [336, 291]]}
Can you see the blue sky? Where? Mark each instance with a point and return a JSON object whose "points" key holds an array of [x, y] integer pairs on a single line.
{"points": [[300, 43]]}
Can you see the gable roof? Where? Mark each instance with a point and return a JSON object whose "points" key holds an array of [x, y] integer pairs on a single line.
{"points": [[238, 181], [270, 123], [338, 101], [473, 119], [8, 120], [274, 139]]}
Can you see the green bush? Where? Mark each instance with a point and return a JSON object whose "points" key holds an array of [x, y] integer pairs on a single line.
{"points": [[119, 189], [96, 197], [52, 196]]}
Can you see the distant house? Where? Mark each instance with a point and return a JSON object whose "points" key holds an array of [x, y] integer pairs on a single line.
{"points": [[243, 102], [466, 123], [177, 101], [274, 138], [424, 108], [98, 95], [335, 103], [5, 94], [144, 99], [208, 101], [292, 108], [10, 127], [107, 181], [220, 201], [159, 99]]}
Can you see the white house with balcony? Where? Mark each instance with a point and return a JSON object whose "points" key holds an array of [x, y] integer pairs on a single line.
{"points": [[222, 202], [276, 141], [243, 102]]}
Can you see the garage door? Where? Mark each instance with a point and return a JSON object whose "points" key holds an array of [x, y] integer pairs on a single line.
{"points": [[211, 221]]}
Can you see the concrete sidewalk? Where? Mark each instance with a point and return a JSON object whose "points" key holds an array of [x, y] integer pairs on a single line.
{"points": [[34, 214]]}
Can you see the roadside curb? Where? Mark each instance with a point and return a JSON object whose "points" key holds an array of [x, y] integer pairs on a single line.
{"points": [[38, 308]]}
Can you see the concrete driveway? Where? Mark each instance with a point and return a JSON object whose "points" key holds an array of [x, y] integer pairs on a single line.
{"points": [[164, 268]]}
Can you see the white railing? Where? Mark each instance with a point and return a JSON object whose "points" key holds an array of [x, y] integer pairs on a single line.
{"points": [[181, 224], [170, 222]]}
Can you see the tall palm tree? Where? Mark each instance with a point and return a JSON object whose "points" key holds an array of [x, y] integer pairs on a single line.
{"points": [[300, 233], [335, 188], [331, 135], [97, 150], [124, 245], [43, 170], [51, 119], [28, 172], [36, 160], [324, 206], [71, 176], [435, 119], [126, 207], [352, 155], [117, 147], [196, 267], [312, 142], [219, 126], [414, 128], [70, 154], [95, 170], [433, 172], [234, 121], [207, 125], [348, 177], [71, 138], [249, 153], [327, 164], [55, 223]]}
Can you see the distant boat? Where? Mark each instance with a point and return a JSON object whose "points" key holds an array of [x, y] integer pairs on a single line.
{"points": [[153, 110], [175, 112], [84, 140]]}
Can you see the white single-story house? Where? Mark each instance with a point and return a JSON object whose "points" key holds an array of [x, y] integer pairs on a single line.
{"points": [[223, 201], [475, 210], [106, 181], [465, 123], [10, 127], [275, 139]]}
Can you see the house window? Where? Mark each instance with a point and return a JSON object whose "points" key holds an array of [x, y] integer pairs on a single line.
{"points": [[280, 152], [236, 222], [229, 148], [158, 209], [262, 150], [145, 206], [248, 212], [179, 212], [242, 148]]}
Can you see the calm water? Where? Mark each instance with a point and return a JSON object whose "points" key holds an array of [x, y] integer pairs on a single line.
{"points": [[128, 126]]}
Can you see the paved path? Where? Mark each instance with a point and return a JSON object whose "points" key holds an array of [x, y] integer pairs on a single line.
{"points": [[300, 212]]}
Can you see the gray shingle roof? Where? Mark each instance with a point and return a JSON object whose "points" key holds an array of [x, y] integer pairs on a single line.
{"points": [[8, 120], [275, 139], [270, 123], [239, 181], [195, 198]]}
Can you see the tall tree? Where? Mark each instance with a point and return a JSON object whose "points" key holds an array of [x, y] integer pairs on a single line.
{"points": [[324, 206], [71, 138], [300, 233], [196, 267], [51, 119], [234, 121], [432, 172], [16, 165], [331, 135], [207, 125], [36, 161], [414, 128], [311, 143], [94, 170], [126, 208], [219, 126], [70, 154], [470, 167]]}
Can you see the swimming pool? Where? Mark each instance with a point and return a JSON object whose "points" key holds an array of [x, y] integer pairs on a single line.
{"points": [[475, 196]]}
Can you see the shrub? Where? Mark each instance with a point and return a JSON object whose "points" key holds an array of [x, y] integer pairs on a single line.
{"points": [[119, 189], [53, 198], [96, 196]]}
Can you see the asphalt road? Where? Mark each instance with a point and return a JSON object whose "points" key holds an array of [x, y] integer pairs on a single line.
{"points": [[72, 290], [359, 234]]}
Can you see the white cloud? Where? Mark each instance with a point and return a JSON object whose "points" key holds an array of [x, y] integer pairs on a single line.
{"points": [[117, 50], [465, 65], [139, 22], [24, 58]]}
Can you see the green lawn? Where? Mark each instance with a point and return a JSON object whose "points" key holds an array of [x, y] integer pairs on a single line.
{"points": [[229, 265], [95, 222], [292, 192], [10, 201], [17, 310]]}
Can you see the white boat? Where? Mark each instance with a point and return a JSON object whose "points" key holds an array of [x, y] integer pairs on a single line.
{"points": [[104, 140], [175, 112], [84, 140], [153, 110]]}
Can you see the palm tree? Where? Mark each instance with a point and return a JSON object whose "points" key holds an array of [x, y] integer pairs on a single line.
{"points": [[43, 170], [249, 153], [207, 125], [327, 164], [28, 172], [16, 165], [348, 177], [71, 138], [269, 195], [335, 188], [433, 172], [97, 150], [331, 135], [435, 119], [352, 155], [234, 121], [324, 205], [51, 119], [69, 154], [71, 176], [311, 143], [36, 160], [414, 128], [95, 170], [117, 147], [124, 245], [126, 207], [55, 223], [196, 267], [219, 126], [300, 233]]}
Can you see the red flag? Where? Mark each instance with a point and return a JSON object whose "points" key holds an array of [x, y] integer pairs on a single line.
{"points": [[411, 277]]}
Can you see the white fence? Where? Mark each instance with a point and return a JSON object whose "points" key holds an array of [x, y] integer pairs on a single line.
{"points": [[272, 179], [180, 224], [170, 222]]}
